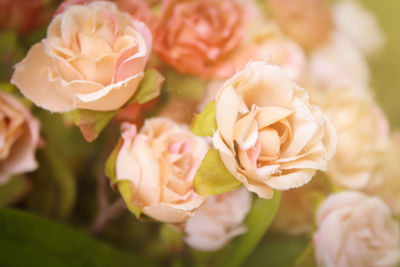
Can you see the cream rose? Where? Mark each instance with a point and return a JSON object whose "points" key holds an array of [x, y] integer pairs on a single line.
{"points": [[356, 231], [19, 136], [337, 64], [269, 136], [219, 220], [92, 58], [363, 136], [160, 162], [358, 25]]}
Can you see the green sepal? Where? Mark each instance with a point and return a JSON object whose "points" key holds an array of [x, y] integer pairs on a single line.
{"points": [[91, 123], [126, 190], [212, 177], [205, 123], [124, 187]]}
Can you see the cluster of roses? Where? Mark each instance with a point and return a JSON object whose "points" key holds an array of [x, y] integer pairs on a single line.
{"points": [[256, 126]]}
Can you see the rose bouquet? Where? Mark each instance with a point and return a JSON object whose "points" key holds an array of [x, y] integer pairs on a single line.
{"points": [[194, 133]]}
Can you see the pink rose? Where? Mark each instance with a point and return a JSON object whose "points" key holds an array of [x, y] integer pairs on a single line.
{"points": [[199, 36], [356, 231], [19, 136], [93, 58], [219, 220], [160, 162]]}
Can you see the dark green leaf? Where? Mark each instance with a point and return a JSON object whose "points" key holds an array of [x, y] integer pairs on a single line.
{"points": [[29, 240], [13, 190], [183, 86], [307, 259]]}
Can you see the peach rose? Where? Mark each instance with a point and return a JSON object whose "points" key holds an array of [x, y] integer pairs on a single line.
{"points": [[19, 137], [363, 136], [309, 22], [269, 136], [198, 36], [160, 162], [93, 58], [364, 32], [356, 231], [219, 220]]}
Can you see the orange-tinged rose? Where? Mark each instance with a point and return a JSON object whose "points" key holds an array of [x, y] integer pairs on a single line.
{"points": [[93, 58], [199, 36]]}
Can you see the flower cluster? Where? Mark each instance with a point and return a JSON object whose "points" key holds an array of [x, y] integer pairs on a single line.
{"points": [[222, 108]]}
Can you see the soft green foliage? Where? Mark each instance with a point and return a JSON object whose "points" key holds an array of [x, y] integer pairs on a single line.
{"points": [[92, 123], [29, 240], [55, 186], [183, 86], [257, 222], [307, 259], [212, 177], [13, 190], [277, 250], [171, 238], [204, 123]]}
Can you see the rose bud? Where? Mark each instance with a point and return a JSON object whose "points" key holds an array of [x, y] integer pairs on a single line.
{"points": [[159, 163], [356, 231], [92, 58], [19, 137]]}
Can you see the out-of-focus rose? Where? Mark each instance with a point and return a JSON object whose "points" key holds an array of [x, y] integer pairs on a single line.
{"points": [[386, 183], [93, 58], [363, 136], [19, 137], [160, 162], [199, 36], [283, 52], [219, 220], [140, 9], [359, 26], [356, 231], [269, 136], [22, 15], [337, 64], [309, 22], [179, 110]]}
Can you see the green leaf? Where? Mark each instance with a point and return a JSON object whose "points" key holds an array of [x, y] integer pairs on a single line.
{"points": [[149, 87], [171, 238], [13, 190], [183, 86], [110, 164], [257, 222], [212, 177], [307, 259], [54, 193], [30, 240], [277, 250], [91, 123], [204, 123]]}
